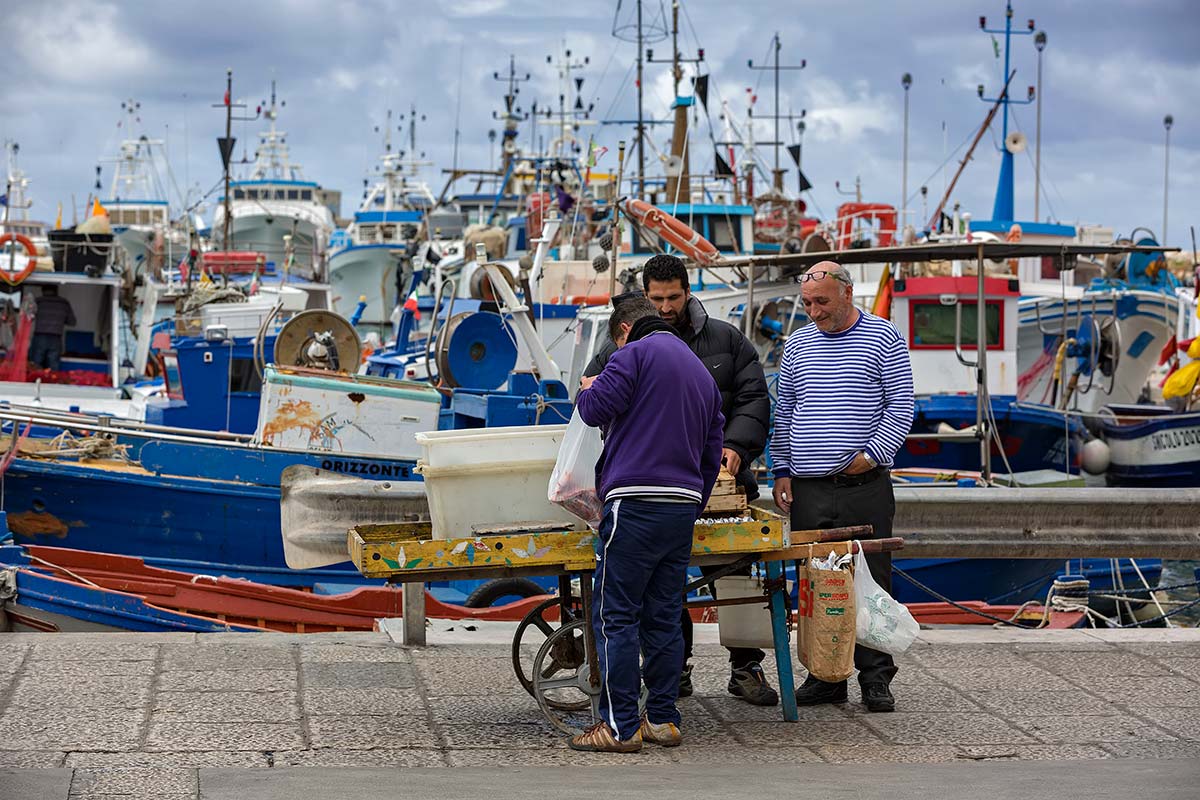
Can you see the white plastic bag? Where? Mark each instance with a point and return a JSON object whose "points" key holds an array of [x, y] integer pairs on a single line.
{"points": [[573, 482], [881, 622]]}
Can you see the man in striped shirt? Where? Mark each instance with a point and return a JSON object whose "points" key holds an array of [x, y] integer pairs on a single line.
{"points": [[845, 407]]}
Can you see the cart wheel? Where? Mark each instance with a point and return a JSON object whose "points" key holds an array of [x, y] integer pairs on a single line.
{"points": [[564, 692], [560, 680], [535, 624]]}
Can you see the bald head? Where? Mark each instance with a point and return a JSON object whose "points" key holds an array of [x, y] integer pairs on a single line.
{"points": [[828, 296]]}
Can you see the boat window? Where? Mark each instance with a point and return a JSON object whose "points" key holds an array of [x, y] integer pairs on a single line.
{"points": [[280, 194], [169, 365], [293, 194], [932, 325], [239, 194], [306, 194], [243, 377], [723, 233]]}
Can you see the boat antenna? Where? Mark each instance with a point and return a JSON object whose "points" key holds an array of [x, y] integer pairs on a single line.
{"points": [[677, 167], [457, 113], [512, 117], [225, 145], [641, 32], [776, 68], [1003, 208]]}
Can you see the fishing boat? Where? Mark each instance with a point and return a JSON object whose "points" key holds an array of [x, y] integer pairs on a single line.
{"points": [[137, 205], [275, 210], [15, 221], [373, 258], [208, 501]]}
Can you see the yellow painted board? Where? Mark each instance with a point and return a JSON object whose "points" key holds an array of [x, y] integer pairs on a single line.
{"points": [[392, 550], [400, 548], [766, 531]]}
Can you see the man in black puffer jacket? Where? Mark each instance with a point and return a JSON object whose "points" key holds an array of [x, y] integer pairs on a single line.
{"points": [[733, 362]]}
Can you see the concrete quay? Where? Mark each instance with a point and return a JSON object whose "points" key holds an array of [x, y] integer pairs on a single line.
{"points": [[981, 713]]}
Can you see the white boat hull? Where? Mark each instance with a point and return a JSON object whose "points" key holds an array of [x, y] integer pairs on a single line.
{"points": [[261, 227], [1146, 321], [365, 271]]}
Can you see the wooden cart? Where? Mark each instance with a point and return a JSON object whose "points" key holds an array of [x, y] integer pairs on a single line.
{"points": [[560, 671]]}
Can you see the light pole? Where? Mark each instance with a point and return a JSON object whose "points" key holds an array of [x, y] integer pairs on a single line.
{"points": [[1039, 41], [906, 82], [1168, 121]]}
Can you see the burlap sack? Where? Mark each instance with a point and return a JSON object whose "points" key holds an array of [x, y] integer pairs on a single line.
{"points": [[826, 616]]}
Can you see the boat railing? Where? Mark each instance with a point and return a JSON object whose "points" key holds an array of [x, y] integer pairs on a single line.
{"points": [[113, 426], [76, 420]]}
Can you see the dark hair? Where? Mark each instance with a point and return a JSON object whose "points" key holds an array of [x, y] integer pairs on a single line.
{"points": [[664, 268], [629, 311]]}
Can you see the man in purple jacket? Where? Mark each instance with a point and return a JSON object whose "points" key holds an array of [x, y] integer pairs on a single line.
{"points": [[660, 412]]}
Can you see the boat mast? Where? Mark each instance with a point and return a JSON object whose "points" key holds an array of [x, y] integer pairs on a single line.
{"points": [[512, 119], [1003, 208], [678, 179], [641, 33], [225, 145], [777, 173]]}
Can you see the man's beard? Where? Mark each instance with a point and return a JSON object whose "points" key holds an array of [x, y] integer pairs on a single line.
{"points": [[681, 322]]}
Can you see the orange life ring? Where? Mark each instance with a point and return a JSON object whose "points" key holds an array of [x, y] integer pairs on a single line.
{"points": [[673, 231], [10, 278]]}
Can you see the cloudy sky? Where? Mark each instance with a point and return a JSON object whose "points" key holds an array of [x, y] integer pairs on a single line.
{"points": [[1112, 70]]}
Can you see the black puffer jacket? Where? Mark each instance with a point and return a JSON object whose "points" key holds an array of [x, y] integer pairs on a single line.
{"points": [[733, 363]]}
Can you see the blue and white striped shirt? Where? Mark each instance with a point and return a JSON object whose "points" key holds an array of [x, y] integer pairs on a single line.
{"points": [[841, 394]]}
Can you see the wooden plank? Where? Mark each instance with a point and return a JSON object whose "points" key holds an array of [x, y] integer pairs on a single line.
{"points": [[718, 504], [406, 551], [376, 556], [764, 531]]}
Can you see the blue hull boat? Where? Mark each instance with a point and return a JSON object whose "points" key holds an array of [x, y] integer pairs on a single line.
{"points": [[208, 508]]}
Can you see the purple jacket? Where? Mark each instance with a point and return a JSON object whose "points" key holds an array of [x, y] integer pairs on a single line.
{"points": [[660, 411]]}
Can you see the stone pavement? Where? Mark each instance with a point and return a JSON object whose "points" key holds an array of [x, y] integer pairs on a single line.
{"points": [[170, 715]]}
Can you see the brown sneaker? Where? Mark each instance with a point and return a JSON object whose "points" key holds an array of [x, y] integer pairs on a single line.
{"points": [[665, 735], [600, 739]]}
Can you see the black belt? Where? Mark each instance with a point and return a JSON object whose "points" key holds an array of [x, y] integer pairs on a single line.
{"points": [[842, 480]]}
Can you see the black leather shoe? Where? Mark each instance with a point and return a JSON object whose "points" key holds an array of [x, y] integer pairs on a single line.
{"points": [[878, 697], [814, 692], [685, 682]]}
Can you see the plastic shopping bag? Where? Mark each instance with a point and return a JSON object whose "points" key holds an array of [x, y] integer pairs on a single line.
{"points": [[882, 623], [573, 482], [825, 615]]}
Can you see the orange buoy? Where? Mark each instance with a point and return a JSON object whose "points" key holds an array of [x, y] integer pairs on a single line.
{"points": [[673, 231], [11, 278]]}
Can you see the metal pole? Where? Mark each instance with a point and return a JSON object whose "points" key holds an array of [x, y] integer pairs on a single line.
{"points": [[641, 130], [1168, 121], [906, 82], [777, 46], [981, 392], [616, 231], [748, 316], [228, 133], [412, 608], [782, 642], [1039, 41]]}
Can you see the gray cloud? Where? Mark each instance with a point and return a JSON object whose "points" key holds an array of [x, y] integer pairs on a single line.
{"points": [[1112, 69]]}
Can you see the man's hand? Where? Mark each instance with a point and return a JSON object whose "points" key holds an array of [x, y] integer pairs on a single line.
{"points": [[731, 460], [783, 494], [859, 465], [586, 382]]}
